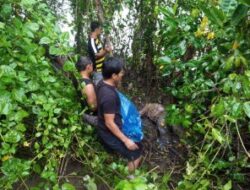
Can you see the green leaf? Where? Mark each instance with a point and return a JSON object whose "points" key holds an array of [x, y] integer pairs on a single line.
{"points": [[215, 15], [165, 59], [2, 25], [247, 2], [246, 107], [32, 26], [69, 66], [21, 127], [229, 118], [32, 59], [228, 185], [217, 109], [54, 51], [15, 168], [44, 40], [12, 137], [20, 115], [6, 10], [68, 186], [91, 185], [239, 13], [19, 95], [217, 135], [140, 186], [28, 3], [124, 185]]}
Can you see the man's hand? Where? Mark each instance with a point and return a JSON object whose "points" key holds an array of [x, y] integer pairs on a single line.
{"points": [[108, 48], [130, 145]]}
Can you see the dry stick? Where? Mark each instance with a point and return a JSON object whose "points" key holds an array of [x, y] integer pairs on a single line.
{"points": [[23, 182], [60, 165], [247, 153], [153, 169], [66, 164], [209, 165], [144, 158], [104, 181]]}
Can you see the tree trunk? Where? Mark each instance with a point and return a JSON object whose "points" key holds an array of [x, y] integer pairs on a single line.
{"points": [[101, 18]]}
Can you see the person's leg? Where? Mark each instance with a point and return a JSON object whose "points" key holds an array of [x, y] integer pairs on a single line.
{"points": [[90, 119], [133, 165], [134, 156]]}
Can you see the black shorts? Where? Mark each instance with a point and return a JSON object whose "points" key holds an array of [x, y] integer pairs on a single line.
{"points": [[112, 144]]}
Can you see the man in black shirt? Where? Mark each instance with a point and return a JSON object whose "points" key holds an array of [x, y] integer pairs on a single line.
{"points": [[96, 50], [85, 67], [109, 116]]}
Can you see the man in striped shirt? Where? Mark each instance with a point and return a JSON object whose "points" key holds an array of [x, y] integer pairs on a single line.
{"points": [[96, 50]]}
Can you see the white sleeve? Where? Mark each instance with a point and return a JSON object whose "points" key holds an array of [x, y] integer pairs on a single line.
{"points": [[93, 45]]}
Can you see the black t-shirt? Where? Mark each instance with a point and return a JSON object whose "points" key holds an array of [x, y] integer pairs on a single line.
{"points": [[108, 102]]}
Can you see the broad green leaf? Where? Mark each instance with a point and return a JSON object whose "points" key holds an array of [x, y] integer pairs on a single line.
{"points": [[6, 10], [12, 137], [44, 40], [33, 85], [246, 107], [68, 186], [140, 187], [215, 15], [165, 59], [20, 115], [2, 25], [189, 169], [21, 127], [229, 118], [54, 51], [228, 185], [124, 185], [217, 135], [32, 59], [247, 2], [5, 107], [69, 66], [239, 13], [28, 2], [32, 26], [218, 109], [15, 168], [19, 95], [91, 185]]}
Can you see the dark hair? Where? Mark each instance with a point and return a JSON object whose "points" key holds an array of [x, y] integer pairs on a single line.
{"points": [[111, 65], [94, 25], [82, 63]]}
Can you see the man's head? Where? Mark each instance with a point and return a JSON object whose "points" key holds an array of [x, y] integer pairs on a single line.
{"points": [[96, 27], [113, 69], [84, 64]]}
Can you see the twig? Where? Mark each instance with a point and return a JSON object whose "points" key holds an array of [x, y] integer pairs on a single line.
{"points": [[242, 143], [144, 158], [23, 182], [103, 180], [209, 165], [156, 167]]}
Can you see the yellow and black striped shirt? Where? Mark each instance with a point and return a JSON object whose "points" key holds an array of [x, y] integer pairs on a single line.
{"points": [[94, 47]]}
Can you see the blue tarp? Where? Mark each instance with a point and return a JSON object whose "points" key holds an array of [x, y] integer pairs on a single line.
{"points": [[132, 125]]}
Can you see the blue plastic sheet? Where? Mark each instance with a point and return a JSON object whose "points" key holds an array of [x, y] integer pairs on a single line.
{"points": [[132, 125]]}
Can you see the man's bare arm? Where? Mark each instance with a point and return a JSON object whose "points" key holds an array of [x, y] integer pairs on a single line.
{"points": [[91, 96], [103, 52]]}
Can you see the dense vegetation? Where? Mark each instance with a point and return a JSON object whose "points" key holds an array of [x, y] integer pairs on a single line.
{"points": [[201, 48]]}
